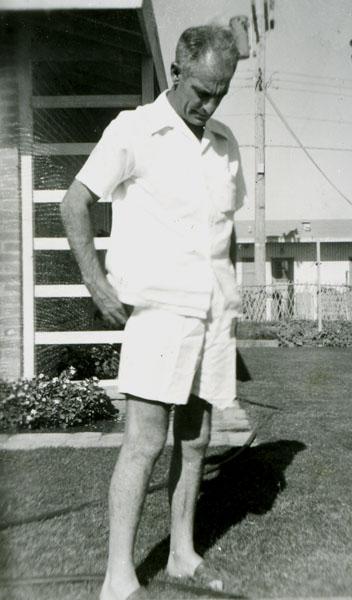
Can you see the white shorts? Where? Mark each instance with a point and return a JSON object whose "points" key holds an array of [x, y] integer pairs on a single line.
{"points": [[165, 356]]}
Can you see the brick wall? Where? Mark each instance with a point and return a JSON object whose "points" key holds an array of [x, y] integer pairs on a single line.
{"points": [[10, 213]]}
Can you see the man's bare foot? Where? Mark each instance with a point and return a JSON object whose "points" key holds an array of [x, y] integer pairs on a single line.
{"points": [[120, 590], [207, 575], [183, 565]]}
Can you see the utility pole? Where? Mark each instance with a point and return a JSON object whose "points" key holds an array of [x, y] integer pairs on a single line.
{"points": [[263, 21], [259, 18], [319, 307]]}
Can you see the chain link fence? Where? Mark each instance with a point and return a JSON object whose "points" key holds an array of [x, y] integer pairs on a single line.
{"points": [[297, 301]]}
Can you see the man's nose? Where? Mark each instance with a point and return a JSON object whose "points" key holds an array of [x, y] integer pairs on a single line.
{"points": [[210, 106]]}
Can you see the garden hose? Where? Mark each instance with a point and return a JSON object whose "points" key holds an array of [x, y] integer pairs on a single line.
{"points": [[209, 469]]}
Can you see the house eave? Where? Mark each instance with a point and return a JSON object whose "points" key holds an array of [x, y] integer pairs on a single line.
{"points": [[19, 5]]}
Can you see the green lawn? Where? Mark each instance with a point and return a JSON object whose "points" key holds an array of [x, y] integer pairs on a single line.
{"points": [[279, 517]]}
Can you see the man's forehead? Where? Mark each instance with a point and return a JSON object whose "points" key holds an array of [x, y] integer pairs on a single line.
{"points": [[207, 80], [213, 67], [209, 84]]}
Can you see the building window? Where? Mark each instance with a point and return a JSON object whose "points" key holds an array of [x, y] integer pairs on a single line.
{"points": [[248, 272], [282, 270]]}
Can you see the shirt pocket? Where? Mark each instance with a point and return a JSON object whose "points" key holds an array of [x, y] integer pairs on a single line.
{"points": [[227, 196]]}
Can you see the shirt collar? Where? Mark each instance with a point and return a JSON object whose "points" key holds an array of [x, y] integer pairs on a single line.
{"points": [[164, 116]]}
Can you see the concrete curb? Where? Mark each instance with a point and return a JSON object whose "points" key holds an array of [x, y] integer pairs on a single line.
{"points": [[35, 441], [257, 343], [230, 427]]}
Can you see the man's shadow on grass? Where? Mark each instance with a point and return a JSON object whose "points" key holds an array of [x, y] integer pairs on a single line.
{"points": [[248, 484]]}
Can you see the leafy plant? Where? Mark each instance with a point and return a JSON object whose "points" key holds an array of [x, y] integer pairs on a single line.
{"points": [[106, 360], [99, 361], [42, 402]]}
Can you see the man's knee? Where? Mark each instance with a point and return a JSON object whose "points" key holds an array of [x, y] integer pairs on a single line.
{"points": [[146, 429], [192, 427], [197, 445], [144, 444]]}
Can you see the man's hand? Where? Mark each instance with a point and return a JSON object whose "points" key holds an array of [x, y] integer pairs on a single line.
{"points": [[77, 221], [105, 298]]}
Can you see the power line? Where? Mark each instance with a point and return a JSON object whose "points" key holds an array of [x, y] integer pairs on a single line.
{"points": [[291, 146], [292, 89], [310, 147], [315, 83], [321, 93], [297, 117], [309, 156], [307, 75]]}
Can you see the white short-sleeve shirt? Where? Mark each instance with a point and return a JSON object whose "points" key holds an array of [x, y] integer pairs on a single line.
{"points": [[173, 204]]}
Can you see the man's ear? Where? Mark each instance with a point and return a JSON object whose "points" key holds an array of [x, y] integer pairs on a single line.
{"points": [[175, 73]]}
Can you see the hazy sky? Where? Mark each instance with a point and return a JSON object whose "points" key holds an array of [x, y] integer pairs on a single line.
{"points": [[309, 75]]}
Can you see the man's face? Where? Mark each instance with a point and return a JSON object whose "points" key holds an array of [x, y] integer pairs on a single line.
{"points": [[200, 91]]}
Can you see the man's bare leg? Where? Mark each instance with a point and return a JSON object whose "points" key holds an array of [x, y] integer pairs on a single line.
{"points": [[144, 439], [192, 433]]}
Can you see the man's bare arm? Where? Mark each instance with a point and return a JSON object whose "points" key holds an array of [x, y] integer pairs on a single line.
{"points": [[75, 212]]}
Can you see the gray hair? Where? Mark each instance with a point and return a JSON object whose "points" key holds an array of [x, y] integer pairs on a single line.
{"points": [[196, 42]]}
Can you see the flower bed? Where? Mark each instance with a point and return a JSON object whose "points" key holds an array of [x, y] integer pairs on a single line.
{"points": [[299, 333], [58, 402]]}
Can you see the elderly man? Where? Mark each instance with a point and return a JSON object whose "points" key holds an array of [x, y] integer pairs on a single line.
{"points": [[175, 180]]}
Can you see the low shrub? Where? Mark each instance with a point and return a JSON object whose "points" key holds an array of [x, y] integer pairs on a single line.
{"points": [[59, 402], [306, 333], [250, 330], [299, 332]]}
